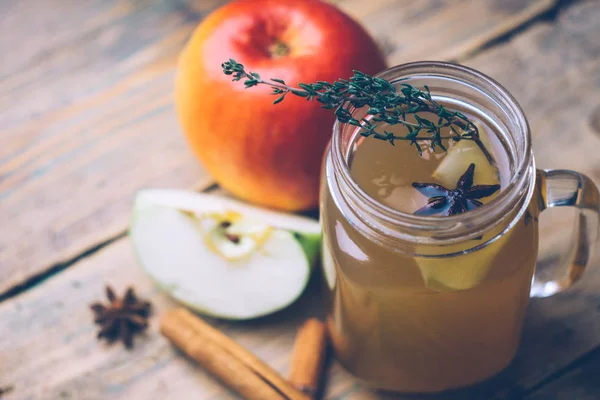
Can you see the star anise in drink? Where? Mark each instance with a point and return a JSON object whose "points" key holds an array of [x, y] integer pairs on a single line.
{"points": [[122, 318], [448, 202]]}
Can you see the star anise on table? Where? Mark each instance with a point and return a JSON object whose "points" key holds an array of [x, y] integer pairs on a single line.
{"points": [[5, 390], [122, 318], [448, 202]]}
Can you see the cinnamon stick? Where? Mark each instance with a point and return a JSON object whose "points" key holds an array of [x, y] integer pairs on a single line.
{"points": [[235, 366], [309, 356]]}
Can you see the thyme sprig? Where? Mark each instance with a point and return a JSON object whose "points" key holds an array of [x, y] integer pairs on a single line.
{"points": [[385, 103]]}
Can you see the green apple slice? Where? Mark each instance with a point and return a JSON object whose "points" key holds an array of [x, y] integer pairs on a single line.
{"points": [[467, 270], [222, 257]]}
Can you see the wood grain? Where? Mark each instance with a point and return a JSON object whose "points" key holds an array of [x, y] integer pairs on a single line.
{"points": [[48, 349], [446, 30], [87, 115], [47, 344], [581, 383]]}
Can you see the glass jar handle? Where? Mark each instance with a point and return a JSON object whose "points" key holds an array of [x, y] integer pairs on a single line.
{"points": [[564, 188]]}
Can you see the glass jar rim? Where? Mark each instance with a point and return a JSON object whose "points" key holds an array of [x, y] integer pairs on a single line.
{"points": [[452, 229]]}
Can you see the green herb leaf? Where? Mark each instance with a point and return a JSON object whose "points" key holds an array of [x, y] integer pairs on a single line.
{"points": [[279, 99], [386, 102]]}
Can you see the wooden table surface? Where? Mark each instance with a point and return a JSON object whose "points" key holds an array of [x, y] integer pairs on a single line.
{"points": [[87, 119]]}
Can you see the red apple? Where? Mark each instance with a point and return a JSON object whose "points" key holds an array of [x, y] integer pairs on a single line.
{"points": [[264, 153]]}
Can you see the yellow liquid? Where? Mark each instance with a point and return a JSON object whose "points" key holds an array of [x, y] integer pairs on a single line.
{"points": [[393, 322]]}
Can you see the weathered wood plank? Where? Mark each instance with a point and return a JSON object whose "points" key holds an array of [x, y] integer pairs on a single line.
{"points": [[581, 384], [46, 339], [48, 349], [70, 50], [85, 106], [446, 30]]}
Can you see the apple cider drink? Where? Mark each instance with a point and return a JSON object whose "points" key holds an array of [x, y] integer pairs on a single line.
{"points": [[421, 323]]}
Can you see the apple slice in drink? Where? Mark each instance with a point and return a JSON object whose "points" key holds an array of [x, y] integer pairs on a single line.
{"points": [[222, 257], [460, 156], [466, 270]]}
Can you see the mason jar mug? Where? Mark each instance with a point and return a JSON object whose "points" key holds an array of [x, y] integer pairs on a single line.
{"points": [[425, 304]]}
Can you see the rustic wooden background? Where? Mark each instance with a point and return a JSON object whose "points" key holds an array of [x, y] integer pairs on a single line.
{"points": [[87, 119]]}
